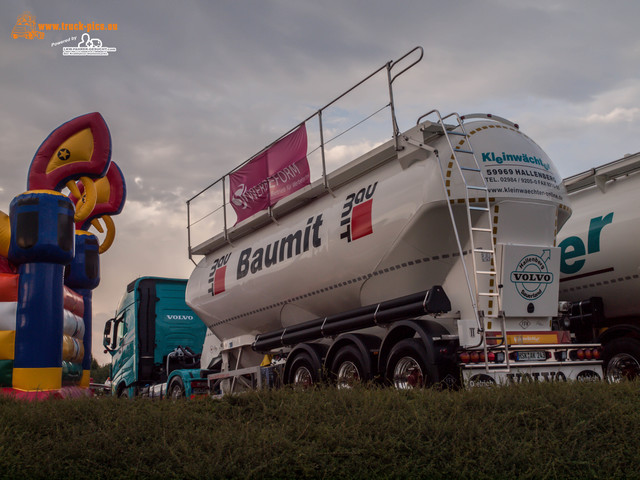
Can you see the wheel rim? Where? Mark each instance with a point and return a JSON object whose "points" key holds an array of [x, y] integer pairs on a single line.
{"points": [[176, 392], [348, 375], [407, 374], [623, 367], [303, 377]]}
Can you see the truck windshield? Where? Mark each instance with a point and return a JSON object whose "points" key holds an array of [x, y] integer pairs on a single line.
{"points": [[124, 301]]}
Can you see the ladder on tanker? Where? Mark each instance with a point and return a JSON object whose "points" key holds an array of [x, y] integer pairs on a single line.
{"points": [[476, 200]]}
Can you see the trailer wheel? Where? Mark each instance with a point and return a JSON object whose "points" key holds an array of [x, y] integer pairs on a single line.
{"points": [[407, 366], [348, 368], [302, 373], [176, 389], [622, 360]]}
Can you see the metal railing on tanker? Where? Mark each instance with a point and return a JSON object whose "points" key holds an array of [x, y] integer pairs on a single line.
{"points": [[199, 206]]}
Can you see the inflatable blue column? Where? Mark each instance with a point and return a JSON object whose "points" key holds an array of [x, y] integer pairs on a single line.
{"points": [[83, 275], [42, 229]]}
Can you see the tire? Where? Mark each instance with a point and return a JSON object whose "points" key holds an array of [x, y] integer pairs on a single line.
{"points": [[302, 373], [408, 366], [123, 391], [621, 358], [176, 389], [347, 368]]}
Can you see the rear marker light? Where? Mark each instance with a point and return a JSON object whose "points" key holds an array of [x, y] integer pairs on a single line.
{"points": [[587, 354], [479, 357]]}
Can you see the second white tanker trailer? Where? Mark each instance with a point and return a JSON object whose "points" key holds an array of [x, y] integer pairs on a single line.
{"points": [[600, 263], [429, 259]]}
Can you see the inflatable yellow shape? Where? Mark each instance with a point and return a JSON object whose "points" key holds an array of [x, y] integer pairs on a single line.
{"points": [[86, 379], [77, 148], [7, 344], [109, 237], [87, 201], [72, 349], [49, 192], [103, 188], [37, 378], [5, 234]]}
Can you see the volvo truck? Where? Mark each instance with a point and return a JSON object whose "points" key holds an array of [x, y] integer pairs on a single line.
{"points": [[155, 341]]}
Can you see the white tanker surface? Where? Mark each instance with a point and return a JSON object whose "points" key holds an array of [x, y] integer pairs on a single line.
{"points": [[386, 233]]}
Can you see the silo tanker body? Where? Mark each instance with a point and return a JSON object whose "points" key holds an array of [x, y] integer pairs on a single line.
{"points": [[380, 276], [600, 263]]}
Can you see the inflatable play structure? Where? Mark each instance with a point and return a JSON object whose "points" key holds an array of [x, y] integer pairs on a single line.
{"points": [[49, 261]]}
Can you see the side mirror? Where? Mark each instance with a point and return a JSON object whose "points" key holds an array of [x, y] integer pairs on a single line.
{"points": [[109, 334]]}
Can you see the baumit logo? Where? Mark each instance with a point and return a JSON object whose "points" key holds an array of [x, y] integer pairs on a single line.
{"points": [[356, 214], [217, 275]]}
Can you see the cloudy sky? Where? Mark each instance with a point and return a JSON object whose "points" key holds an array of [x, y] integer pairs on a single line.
{"points": [[196, 87]]}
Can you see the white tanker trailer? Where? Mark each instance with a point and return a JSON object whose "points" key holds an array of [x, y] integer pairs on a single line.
{"points": [[600, 266], [429, 259]]}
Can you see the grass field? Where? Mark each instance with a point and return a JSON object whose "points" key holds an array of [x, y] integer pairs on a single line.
{"points": [[532, 431]]}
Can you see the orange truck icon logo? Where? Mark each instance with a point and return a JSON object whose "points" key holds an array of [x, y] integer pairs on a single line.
{"points": [[26, 27]]}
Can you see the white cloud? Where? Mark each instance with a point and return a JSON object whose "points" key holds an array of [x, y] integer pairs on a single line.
{"points": [[341, 154], [617, 115]]}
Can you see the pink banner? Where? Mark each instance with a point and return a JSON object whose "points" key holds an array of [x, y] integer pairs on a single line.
{"points": [[279, 171]]}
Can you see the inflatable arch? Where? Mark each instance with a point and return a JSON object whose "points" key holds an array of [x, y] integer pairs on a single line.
{"points": [[49, 261]]}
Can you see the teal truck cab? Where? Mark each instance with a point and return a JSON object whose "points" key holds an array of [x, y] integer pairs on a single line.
{"points": [[155, 341]]}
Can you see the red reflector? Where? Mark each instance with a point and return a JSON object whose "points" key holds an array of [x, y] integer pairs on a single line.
{"points": [[491, 356]]}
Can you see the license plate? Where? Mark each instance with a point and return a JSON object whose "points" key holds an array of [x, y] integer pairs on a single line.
{"points": [[531, 356]]}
